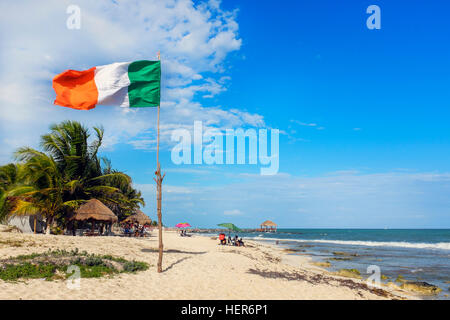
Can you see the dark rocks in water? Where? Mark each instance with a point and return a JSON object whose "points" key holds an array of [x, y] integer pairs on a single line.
{"points": [[306, 246], [421, 287], [342, 253], [341, 259], [291, 250]]}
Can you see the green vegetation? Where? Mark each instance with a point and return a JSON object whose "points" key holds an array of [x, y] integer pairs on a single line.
{"points": [[133, 266], [325, 264], [350, 273], [400, 278], [67, 173], [53, 265], [11, 243]]}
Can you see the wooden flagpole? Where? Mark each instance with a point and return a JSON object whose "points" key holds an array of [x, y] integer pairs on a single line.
{"points": [[159, 180]]}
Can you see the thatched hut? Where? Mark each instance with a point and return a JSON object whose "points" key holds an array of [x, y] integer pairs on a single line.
{"points": [[94, 210], [139, 217], [268, 226]]}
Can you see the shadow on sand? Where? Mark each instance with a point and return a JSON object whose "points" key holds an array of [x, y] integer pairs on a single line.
{"points": [[173, 251], [176, 262]]}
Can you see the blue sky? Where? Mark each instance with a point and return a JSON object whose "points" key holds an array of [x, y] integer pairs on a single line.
{"points": [[363, 114]]}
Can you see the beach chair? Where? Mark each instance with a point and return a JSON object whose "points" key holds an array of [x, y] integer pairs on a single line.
{"points": [[91, 233], [222, 239]]}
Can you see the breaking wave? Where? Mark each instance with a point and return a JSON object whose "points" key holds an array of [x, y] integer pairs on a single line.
{"points": [[412, 245]]}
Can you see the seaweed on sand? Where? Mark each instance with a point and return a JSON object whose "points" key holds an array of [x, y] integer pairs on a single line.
{"points": [[320, 279]]}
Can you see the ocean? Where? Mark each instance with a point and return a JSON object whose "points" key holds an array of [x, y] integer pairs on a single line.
{"points": [[414, 254]]}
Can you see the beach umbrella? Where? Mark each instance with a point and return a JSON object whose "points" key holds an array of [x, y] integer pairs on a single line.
{"points": [[230, 227], [183, 225]]}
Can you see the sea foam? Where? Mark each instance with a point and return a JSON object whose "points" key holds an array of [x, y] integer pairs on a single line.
{"points": [[412, 245]]}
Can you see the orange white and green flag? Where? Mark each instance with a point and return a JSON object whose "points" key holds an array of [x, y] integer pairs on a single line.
{"points": [[125, 84]]}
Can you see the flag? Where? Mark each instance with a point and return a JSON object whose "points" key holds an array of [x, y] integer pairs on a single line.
{"points": [[125, 84]]}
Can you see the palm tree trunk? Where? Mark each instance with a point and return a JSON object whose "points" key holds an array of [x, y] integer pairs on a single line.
{"points": [[159, 180], [49, 224], [34, 224], [161, 247]]}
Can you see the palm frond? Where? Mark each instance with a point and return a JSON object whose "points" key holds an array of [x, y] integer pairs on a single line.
{"points": [[23, 207], [102, 189]]}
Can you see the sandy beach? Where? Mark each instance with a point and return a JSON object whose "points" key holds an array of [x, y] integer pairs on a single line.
{"points": [[194, 268]]}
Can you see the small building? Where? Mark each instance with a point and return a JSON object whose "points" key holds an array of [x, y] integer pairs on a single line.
{"points": [[28, 223], [268, 226], [139, 217]]}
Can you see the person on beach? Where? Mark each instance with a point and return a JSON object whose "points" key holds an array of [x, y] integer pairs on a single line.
{"points": [[136, 229], [222, 239]]}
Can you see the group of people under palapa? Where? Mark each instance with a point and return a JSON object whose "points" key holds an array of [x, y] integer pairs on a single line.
{"points": [[134, 229], [236, 241], [183, 233]]}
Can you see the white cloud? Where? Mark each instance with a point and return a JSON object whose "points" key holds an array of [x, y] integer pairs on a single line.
{"points": [[234, 212], [291, 134], [194, 39], [144, 144], [339, 199], [305, 124]]}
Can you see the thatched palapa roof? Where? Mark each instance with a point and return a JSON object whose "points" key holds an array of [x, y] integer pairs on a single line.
{"points": [[140, 217], [95, 210], [268, 223]]}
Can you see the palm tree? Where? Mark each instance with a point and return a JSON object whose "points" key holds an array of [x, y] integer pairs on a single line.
{"points": [[68, 144], [9, 177], [69, 172], [42, 187], [128, 200]]}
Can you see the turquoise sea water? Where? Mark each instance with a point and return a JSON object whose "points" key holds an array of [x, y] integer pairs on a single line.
{"points": [[416, 254]]}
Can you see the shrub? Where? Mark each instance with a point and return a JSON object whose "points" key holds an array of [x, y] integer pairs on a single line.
{"points": [[133, 266], [53, 265]]}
